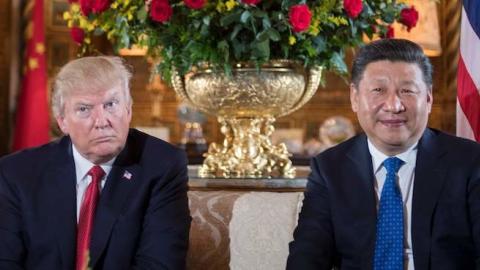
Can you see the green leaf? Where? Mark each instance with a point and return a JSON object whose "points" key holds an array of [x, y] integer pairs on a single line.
{"points": [[235, 31], [277, 16], [337, 62], [266, 23], [259, 13], [238, 49], [367, 10], [142, 14], [273, 34], [206, 20], [223, 48], [285, 49], [388, 17], [262, 36], [320, 44], [230, 18], [98, 32], [196, 24], [125, 42], [245, 16], [363, 25], [227, 69], [204, 31], [261, 50], [353, 29]]}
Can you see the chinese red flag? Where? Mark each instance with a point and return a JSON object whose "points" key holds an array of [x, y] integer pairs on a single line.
{"points": [[32, 116]]}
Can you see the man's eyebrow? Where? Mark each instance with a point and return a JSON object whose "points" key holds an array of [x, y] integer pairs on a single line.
{"points": [[83, 103], [409, 82], [380, 79]]}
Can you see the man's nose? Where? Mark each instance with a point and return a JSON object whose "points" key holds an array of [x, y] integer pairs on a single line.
{"points": [[393, 102], [100, 117]]}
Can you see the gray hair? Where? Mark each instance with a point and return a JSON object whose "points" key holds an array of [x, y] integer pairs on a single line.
{"points": [[91, 74]]}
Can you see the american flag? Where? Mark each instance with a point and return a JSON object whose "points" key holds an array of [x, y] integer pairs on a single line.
{"points": [[127, 175], [468, 79]]}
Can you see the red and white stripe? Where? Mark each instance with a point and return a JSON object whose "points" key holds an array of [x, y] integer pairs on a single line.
{"points": [[468, 82]]}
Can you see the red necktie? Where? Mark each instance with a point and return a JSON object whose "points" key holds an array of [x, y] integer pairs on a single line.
{"points": [[87, 213]]}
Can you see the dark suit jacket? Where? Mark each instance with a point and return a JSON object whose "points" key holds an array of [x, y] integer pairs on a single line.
{"points": [[337, 224], [140, 223]]}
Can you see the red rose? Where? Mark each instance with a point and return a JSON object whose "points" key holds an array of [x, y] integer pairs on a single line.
{"points": [[160, 10], [409, 17], [77, 34], [390, 32], [86, 6], [98, 6], [195, 4], [300, 17], [251, 2], [353, 7]]}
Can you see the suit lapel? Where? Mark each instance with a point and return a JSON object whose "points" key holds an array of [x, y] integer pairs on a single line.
{"points": [[122, 180], [363, 192], [429, 180], [60, 175]]}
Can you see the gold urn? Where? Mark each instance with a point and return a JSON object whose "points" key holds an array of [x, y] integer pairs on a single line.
{"points": [[246, 105]]}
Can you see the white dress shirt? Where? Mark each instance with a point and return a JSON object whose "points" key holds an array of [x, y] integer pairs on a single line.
{"points": [[406, 176], [82, 166]]}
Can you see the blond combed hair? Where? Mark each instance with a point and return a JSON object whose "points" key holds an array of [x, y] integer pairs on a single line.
{"points": [[92, 74]]}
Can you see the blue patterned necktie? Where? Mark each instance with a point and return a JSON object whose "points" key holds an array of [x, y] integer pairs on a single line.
{"points": [[389, 242]]}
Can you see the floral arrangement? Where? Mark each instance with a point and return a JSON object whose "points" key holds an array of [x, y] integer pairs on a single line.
{"points": [[188, 33]]}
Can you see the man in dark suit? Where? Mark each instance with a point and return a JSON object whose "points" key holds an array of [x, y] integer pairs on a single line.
{"points": [[104, 196], [400, 196]]}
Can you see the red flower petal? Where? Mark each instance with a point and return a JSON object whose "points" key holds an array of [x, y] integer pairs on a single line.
{"points": [[160, 10], [77, 34], [251, 2], [409, 17], [300, 17], [353, 7], [195, 4]]}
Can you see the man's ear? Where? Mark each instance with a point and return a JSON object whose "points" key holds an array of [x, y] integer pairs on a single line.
{"points": [[62, 124], [429, 99], [129, 112], [353, 97]]}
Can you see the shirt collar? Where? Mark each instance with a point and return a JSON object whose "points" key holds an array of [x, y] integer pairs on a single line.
{"points": [[379, 157], [83, 165]]}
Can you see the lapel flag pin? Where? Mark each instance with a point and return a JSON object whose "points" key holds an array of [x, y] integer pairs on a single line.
{"points": [[127, 175]]}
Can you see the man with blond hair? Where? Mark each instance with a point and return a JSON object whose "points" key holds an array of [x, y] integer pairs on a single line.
{"points": [[104, 196]]}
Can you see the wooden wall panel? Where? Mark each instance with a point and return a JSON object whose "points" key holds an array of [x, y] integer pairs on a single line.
{"points": [[5, 33]]}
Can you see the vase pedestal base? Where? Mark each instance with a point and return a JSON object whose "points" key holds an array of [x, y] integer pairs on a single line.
{"points": [[247, 151]]}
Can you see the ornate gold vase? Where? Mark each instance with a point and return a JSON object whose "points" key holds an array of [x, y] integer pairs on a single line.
{"points": [[246, 105]]}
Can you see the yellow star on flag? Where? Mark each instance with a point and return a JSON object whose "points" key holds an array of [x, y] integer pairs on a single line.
{"points": [[32, 63], [39, 48]]}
